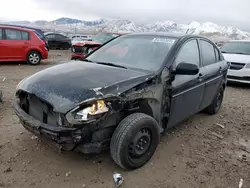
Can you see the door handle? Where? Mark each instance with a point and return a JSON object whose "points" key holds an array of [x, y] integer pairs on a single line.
{"points": [[200, 76], [220, 69]]}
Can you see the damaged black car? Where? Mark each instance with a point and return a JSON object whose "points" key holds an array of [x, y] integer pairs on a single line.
{"points": [[124, 95]]}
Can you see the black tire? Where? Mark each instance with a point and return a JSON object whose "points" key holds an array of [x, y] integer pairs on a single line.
{"points": [[215, 106], [33, 58], [123, 149]]}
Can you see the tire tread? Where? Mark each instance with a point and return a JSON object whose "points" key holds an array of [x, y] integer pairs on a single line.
{"points": [[120, 133]]}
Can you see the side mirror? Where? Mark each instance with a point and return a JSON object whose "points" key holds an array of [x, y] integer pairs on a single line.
{"points": [[187, 69]]}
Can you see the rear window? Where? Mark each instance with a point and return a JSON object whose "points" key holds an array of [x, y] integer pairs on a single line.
{"points": [[25, 35], [12, 34]]}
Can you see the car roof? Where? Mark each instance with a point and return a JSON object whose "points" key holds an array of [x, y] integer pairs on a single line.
{"points": [[14, 27], [165, 34]]}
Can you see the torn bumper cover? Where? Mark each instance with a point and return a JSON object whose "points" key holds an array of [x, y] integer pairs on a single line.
{"points": [[60, 137]]}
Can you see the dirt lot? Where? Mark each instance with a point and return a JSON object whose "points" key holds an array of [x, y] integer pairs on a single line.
{"points": [[188, 156]]}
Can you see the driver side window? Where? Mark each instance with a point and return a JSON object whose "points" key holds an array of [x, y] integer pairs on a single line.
{"points": [[189, 53]]}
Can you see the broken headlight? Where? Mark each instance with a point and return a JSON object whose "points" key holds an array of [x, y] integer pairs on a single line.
{"points": [[87, 113]]}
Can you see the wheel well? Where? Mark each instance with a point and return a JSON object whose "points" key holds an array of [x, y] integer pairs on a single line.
{"points": [[34, 51], [139, 106]]}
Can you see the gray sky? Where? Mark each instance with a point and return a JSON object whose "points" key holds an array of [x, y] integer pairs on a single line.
{"points": [[225, 12]]}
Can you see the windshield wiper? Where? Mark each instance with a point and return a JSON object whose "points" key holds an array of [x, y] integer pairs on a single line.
{"points": [[112, 64]]}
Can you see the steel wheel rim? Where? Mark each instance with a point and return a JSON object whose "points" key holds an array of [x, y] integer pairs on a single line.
{"points": [[140, 145]]}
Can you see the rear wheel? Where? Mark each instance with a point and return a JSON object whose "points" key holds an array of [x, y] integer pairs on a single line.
{"points": [[215, 106], [134, 141], [33, 58]]}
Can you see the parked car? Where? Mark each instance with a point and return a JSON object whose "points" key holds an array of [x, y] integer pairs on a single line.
{"points": [[21, 44], [237, 53], [81, 49], [39, 32], [83, 37], [124, 95], [77, 40], [58, 41]]}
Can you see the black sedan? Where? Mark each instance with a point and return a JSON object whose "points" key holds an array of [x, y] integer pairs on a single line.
{"points": [[124, 95], [58, 41]]}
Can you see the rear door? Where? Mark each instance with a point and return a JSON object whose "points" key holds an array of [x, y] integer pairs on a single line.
{"points": [[213, 70], [16, 43]]}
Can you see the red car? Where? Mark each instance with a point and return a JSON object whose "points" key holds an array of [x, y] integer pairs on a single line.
{"points": [[20, 44], [81, 49]]}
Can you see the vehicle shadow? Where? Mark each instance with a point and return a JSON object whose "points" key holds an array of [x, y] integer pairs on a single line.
{"points": [[43, 63]]}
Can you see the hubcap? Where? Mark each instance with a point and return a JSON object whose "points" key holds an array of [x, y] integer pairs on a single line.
{"points": [[34, 58], [140, 144]]}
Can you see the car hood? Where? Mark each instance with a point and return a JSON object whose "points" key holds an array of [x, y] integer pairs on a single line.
{"points": [[86, 43], [237, 58], [65, 86]]}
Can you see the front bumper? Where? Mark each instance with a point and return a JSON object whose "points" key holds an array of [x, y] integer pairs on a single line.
{"points": [[240, 76], [75, 56], [60, 137]]}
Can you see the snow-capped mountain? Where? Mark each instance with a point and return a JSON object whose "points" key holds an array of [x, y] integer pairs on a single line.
{"points": [[69, 25]]}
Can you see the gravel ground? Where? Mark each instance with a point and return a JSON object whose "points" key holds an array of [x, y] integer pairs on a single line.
{"points": [[190, 155]]}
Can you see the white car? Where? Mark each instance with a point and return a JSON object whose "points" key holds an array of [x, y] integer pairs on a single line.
{"points": [[237, 53]]}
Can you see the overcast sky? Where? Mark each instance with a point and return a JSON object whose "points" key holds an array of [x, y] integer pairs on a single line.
{"points": [[225, 12]]}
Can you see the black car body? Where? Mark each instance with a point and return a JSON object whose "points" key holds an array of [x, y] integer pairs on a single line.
{"points": [[101, 103], [58, 41]]}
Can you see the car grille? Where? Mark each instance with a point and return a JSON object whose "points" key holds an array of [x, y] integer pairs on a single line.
{"points": [[245, 78], [236, 66], [79, 49], [39, 109]]}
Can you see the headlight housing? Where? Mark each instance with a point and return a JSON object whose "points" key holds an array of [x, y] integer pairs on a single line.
{"points": [[87, 113]]}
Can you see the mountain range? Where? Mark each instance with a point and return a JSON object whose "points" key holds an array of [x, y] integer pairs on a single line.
{"points": [[70, 25]]}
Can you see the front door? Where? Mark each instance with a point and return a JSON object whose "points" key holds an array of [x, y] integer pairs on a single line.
{"points": [[187, 90], [213, 68]]}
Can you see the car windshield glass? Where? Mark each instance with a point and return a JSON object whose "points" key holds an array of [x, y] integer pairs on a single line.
{"points": [[102, 38], [236, 48], [135, 52]]}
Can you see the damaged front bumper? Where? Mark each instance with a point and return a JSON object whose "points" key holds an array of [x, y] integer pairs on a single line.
{"points": [[61, 137], [77, 56]]}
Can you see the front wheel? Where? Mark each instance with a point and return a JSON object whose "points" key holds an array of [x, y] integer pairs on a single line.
{"points": [[33, 58], [215, 106], [135, 141]]}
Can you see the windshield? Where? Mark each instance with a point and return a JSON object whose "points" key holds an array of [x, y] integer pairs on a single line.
{"points": [[104, 37], [135, 52], [236, 48]]}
